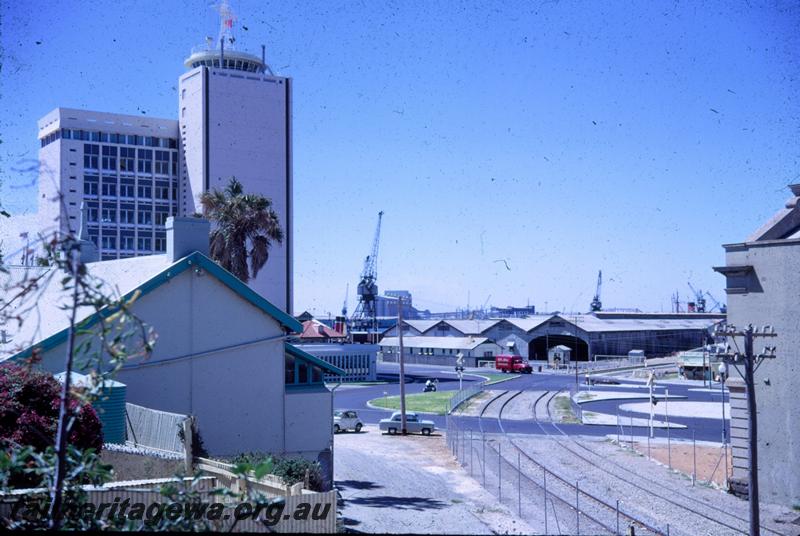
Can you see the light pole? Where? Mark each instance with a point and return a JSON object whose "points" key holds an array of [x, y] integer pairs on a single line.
{"points": [[651, 380], [460, 368]]}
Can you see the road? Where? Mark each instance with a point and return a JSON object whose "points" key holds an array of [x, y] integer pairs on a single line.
{"points": [[356, 397]]}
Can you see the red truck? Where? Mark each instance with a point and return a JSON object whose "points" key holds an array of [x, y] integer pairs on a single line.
{"points": [[512, 363]]}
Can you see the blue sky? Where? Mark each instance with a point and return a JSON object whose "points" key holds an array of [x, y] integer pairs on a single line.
{"points": [[561, 137]]}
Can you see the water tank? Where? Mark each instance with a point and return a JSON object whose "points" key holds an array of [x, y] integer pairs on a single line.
{"points": [[109, 405]]}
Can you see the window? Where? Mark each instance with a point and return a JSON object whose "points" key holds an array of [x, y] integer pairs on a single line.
{"points": [[316, 375], [109, 242], [90, 156], [161, 244], [288, 368], [162, 162], [109, 189], [126, 156], [302, 373], [161, 218], [116, 138], [145, 161], [91, 215], [126, 242], [145, 191], [126, 215], [145, 218], [144, 244], [89, 188], [126, 190], [109, 215], [104, 137], [94, 136], [174, 163], [162, 191]]}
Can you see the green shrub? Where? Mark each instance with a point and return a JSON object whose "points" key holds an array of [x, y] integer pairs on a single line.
{"points": [[293, 470], [251, 458]]}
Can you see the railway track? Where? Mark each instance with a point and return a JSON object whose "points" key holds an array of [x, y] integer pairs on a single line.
{"points": [[560, 489], [712, 513]]}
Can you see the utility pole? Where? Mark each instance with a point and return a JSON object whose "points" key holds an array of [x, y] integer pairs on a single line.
{"points": [[577, 387], [751, 362], [403, 424]]}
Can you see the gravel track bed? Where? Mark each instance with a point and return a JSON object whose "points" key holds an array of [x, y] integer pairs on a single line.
{"points": [[521, 408], [561, 518], [639, 503]]}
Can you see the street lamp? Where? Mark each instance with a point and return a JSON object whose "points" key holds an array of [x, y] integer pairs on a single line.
{"points": [[460, 368]]}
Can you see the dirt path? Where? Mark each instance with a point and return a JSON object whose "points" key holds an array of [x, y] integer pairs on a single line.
{"points": [[411, 484]]}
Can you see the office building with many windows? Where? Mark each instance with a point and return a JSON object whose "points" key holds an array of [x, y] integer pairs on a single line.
{"points": [[122, 169]]}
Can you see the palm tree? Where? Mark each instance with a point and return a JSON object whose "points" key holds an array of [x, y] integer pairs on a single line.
{"points": [[241, 221]]}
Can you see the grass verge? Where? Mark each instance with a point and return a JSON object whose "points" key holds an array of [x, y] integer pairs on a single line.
{"points": [[495, 377], [563, 407], [433, 402]]}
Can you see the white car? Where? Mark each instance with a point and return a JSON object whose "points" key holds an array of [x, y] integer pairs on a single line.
{"points": [[346, 420], [413, 424]]}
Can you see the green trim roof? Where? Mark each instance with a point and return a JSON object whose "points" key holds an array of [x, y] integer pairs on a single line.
{"points": [[305, 356], [195, 259]]}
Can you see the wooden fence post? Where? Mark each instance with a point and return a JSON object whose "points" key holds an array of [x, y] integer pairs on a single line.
{"points": [[188, 459]]}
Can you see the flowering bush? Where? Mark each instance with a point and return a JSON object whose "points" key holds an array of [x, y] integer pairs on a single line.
{"points": [[29, 402]]}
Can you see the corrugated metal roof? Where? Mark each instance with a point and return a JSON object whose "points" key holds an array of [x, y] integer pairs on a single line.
{"points": [[456, 343], [471, 327]]}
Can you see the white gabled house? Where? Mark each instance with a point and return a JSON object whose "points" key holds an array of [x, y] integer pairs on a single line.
{"points": [[221, 353]]}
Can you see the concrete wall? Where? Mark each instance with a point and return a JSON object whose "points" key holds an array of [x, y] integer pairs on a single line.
{"points": [[247, 134], [309, 426], [192, 119], [130, 466], [771, 297]]}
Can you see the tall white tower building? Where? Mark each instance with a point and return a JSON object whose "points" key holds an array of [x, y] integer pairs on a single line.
{"points": [[235, 121]]}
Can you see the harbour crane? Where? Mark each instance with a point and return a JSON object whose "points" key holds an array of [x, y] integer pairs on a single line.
{"points": [[364, 317], [596, 304], [721, 307], [699, 299]]}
